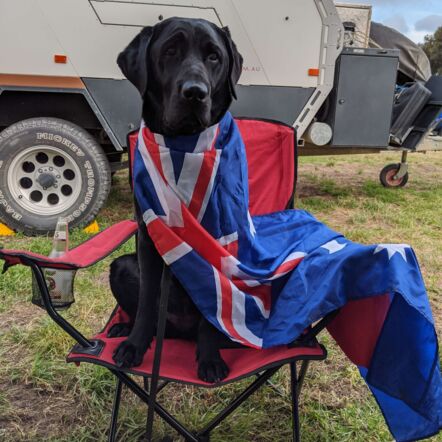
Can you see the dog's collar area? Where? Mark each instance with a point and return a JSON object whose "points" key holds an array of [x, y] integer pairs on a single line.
{"points": [[214, 137]]}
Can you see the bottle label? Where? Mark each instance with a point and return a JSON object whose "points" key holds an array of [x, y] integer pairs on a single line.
{"points": [[60, 285], [60, 235]]}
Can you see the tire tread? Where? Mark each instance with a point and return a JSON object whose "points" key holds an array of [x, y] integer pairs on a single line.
{"points": [[88, 143]]}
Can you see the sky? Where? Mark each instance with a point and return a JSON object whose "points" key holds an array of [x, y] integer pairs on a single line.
{"points": [[414, 18]]}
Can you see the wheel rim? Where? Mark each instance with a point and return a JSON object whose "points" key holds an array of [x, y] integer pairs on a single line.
{"points": [[44, 180], [389, 178]]}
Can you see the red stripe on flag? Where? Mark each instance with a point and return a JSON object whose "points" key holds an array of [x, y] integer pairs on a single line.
{"points": [[226, 308], [163, 237], [232, 248], [287, 266], [358, 326], [261, 291], [200, 240], [202, 183]]}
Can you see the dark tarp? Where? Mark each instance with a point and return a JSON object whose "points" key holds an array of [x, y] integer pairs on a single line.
{"points": [[413, 62]]}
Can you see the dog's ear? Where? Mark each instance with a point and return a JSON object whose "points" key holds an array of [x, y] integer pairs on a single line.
{"points": [[133, 60], [235, 61]]}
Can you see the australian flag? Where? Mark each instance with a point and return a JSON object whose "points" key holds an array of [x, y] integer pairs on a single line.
{"points": [[262, 280]]}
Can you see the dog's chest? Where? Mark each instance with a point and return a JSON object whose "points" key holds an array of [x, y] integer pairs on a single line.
{"points": [[181, 312], [183, 323]]}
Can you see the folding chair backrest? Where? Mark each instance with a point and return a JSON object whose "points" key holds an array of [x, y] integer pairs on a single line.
{"points": [[271, 157]]}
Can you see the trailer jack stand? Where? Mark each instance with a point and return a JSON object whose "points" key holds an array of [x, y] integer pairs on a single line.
{"points": [[403, 169], [395, 175]]}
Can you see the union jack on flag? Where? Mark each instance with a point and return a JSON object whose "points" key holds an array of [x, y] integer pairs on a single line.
{"points": [[262, 280]]}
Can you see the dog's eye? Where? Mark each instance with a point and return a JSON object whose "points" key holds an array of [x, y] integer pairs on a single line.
{"points": [[213, 56], [170, 51]]}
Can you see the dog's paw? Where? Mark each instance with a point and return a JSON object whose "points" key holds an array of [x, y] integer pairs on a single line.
{"points": [[127, 354], [212, 370], [119, 330]]}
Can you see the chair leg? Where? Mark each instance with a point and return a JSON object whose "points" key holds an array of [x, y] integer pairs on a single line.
{"points": [[115, 410], [161, 328], [295, 404], [232, 406], [161, 411], [302, 373]]}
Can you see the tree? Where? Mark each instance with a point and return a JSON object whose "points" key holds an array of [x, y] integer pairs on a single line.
{"points": [[432, 46]]}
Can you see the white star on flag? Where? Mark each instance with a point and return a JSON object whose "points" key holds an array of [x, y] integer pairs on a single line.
{"points": [[333, 246], [392, 249]]}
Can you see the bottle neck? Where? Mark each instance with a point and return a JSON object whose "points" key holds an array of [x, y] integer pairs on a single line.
{"points": [[61, 238]]}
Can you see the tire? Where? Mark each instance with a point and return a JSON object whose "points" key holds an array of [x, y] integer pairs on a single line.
{"points": [[50, 168], [387, 176]]}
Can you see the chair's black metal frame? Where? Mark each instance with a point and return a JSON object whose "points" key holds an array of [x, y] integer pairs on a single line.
{"points": [[149, 393]]}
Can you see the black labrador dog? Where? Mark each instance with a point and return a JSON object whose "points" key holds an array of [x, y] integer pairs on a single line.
{"points": [[186, 71]]}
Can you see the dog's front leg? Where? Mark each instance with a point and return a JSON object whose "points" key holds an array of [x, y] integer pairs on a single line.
{"points": [[211, 366], [131, 351]]}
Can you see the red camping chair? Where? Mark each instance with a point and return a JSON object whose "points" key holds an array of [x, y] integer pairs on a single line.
{"points": [[271, 153]]}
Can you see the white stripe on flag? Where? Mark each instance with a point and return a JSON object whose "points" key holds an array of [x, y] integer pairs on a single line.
{"points": [[251, 225], [230, 268], [166, 161], [206, 138], [260, 304], [239, 316], [219, 300], [170, 202], [189, 176], [227, 239], [295, 255], [238, 312], [151, 170], [189, 173], [167, 165], [149, 216], [176, 253], [159, 139]]}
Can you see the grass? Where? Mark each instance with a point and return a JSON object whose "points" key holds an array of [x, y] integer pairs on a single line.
{"points": [[43, 398]]}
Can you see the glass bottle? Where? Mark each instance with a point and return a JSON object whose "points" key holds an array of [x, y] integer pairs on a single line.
{"points": [[60, 283]]}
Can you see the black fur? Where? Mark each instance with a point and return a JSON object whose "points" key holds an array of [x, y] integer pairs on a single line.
{"points": [[186, 71]]}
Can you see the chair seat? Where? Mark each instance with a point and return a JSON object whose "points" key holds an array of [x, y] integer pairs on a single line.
{"points": [[178, 362]]}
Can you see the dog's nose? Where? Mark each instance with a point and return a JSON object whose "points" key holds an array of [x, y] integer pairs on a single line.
{"points": [[194, 91]]}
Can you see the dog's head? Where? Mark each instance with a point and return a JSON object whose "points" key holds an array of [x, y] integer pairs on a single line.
{"points": [[186, 71]]}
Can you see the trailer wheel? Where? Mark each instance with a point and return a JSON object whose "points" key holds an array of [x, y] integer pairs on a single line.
{"points": [[387, 176], [50, 168]]}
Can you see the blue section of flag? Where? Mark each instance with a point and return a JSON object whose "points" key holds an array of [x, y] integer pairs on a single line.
{"points": [[402, 370], [184, 144], [231, 173], [405, 423], [177, 161]]}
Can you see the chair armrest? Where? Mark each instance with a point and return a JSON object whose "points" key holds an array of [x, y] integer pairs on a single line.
{"points": [[84, 255]]}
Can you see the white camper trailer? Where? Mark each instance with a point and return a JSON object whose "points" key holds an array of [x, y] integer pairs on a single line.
{"points": [[65, 107]]}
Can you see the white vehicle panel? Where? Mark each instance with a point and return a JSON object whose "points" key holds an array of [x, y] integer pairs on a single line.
{"points": [[91, 46], [138, 14], [28, 44], [276, 51], [280, 40], [286, 34]]}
